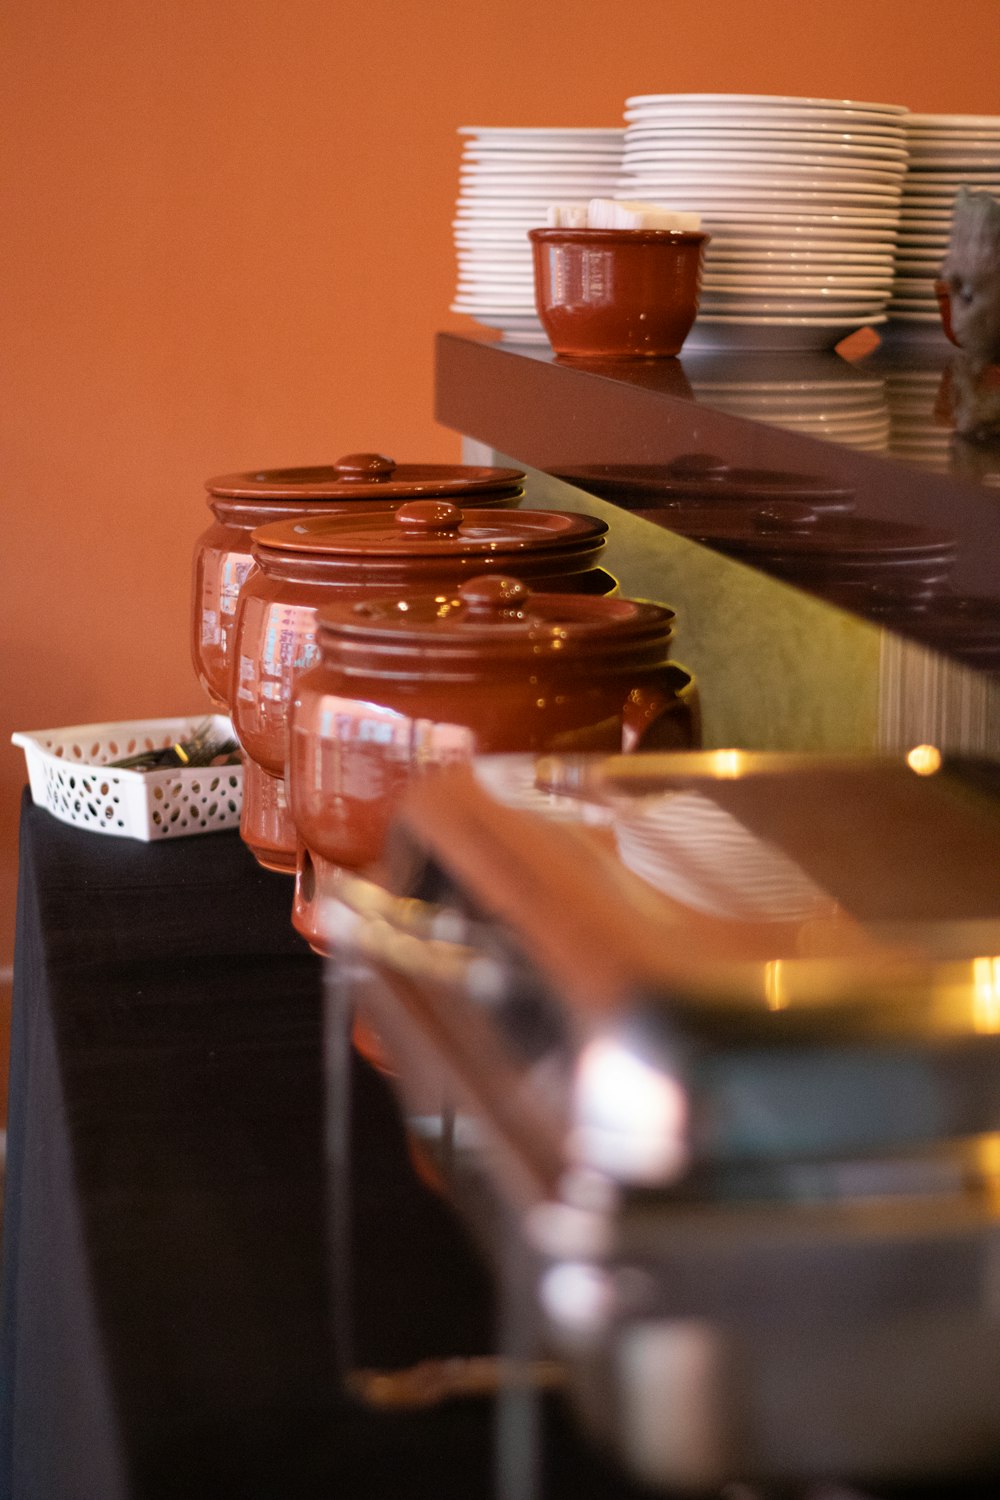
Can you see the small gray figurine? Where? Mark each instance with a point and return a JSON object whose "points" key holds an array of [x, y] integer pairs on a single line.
{"points": [[970, 274]]}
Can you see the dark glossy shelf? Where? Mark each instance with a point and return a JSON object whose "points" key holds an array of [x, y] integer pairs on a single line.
{"points": [[879, 426]]}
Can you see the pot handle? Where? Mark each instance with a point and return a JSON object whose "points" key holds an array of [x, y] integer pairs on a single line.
{"points": [[663, 714]]}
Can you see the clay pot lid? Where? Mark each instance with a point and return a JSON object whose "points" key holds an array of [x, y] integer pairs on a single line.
{"points": [[364, 476], [702, 477], [431, 528], [495, 610]]}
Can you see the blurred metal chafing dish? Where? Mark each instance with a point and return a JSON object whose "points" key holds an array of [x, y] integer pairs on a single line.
{"points": [[706, 1049]]}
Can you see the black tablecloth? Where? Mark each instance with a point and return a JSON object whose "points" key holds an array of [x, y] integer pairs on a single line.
{"points": [[166, 1320]]}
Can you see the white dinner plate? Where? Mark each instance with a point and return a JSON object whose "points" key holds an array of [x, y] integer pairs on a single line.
{"points": [[510, 278], [944, 182], [927, 150], [957, 122], [792, 308], [725, 111], [502, 171], [942, 135], [778, 101], [933, 195], [782, 282], [936, 246], [957, 164], [890, 142], [523, 192], [710, 332], [514, 245], [816, 238], [914, 300], [728, 176], [531, 214], [513, 302], [764, 115], [913, 285], [529, 155], [790, 162], [809, 262], [917, 317], [915, 262], [476, 264], [541, 132], [502, 176]]}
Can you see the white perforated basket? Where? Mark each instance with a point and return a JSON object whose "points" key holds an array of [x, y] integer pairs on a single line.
{"points": [[69, 774]]}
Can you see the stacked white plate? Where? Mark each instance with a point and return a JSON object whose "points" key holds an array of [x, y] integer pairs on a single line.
{"points": [[946, 151], [508, 178], [801, 198]]}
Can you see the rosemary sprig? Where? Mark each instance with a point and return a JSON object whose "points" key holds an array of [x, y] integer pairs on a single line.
{"points": [[201, 749]]}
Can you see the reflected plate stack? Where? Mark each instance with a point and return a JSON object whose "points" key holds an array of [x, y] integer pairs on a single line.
{"points": [[508, 178], [920, 429], [801, 198], [844, 405], [946, 151]]}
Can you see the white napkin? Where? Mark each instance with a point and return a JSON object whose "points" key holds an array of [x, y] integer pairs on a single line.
{"points": [[613, 213]]}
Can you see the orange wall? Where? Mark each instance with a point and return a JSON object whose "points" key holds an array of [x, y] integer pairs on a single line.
{"points": [[226, 242]]}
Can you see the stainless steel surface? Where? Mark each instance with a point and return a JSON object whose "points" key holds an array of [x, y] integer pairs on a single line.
{"points": [[736, 1125]]}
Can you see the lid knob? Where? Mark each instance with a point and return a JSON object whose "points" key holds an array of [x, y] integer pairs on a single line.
{"points": [[364, 467], [697, 466], [429, 516], [492, 596]]}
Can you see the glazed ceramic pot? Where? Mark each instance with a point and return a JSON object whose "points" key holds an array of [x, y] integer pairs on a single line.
{"points": [[425, 545], [403, 686], [356, 484], [617, 293]]}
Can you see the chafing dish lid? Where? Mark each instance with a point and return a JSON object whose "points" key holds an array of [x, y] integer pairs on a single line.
{"points": [[698, 1038]]}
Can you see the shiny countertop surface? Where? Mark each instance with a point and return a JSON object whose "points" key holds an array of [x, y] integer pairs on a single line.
{"points": [[878, 424]]}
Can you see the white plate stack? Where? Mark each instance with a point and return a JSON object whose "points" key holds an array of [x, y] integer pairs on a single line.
{"points": [[801, 198], [508, 178], [946, 151]]}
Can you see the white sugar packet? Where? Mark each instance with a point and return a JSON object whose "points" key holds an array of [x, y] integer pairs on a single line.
{"points": [[615, 213], [566, 216]]}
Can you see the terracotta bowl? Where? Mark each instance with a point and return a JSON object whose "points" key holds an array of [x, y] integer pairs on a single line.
{"points": [[617, 293]]}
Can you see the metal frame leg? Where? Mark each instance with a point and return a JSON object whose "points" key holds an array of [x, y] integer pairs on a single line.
{"points": [[518, 1407], [338, 980]]}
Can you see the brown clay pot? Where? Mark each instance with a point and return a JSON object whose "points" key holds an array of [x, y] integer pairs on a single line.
{"points": [[301, 565], [407, 685], [356, 484], [617, 293]]}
